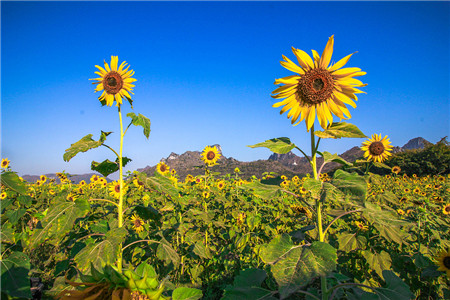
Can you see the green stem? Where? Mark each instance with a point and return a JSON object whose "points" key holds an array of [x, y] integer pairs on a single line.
{"points": [[314, 148], [120, 206]]}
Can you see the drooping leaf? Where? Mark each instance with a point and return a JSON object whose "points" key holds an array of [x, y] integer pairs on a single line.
{"points": [[159, 183], [12, 181], [264, 191], [247, 285], [140, 120], [328, 157], [280, 145], [185, 293], [103, 252], [14, 275], [13, 216], [108, 167], [295, 266], [314, 186], [378, 261], [146, 269], [83, 145], [351, 184], [25, 200], [202, 251], [59, 221], [166, 252], [339, 130], [350, 241]]}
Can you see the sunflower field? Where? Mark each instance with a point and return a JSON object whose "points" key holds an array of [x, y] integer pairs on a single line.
{"points": [[350, 234]]}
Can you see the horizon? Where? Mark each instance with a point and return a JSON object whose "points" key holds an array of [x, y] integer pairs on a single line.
{"points": [[205, 72]]}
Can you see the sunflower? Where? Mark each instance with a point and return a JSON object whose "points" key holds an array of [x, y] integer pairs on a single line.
{"points": [[115, 82], [115, 189], [220, 184], [318, 87], [361, 226], [376, 148], [138, 224], [210, 155], [3, 195], [396, 170], [205, 194], [401, 212], [236, 170], [446, 209], [444, 262], [5, 163], [162, 168]]}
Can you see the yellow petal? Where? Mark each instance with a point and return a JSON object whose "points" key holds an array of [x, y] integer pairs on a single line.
{"points": [[109, 99], [121, 66], [298, 110], [293, 79], [345, 72], [102, 71], [303, 59], [310, 117], [285, 101], [287, 107], [344, 99], [321, 116], [327, 53], [316, 57], [335, 109], [114, 62], [340, 63], [288, 64], [327, 112], [107, 66], [284, 88]]}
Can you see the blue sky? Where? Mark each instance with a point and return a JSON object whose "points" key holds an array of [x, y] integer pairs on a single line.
{"points": [[205, 73]]}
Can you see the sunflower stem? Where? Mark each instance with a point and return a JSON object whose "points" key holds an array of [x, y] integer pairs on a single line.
{"points": [[120, 206], [314, 147]]}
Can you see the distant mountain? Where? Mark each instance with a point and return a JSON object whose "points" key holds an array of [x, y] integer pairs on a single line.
{"points": [[288, 164]]}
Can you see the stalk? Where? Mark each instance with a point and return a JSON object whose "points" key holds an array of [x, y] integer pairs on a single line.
{"points": [[120, 206], [323, 279]]}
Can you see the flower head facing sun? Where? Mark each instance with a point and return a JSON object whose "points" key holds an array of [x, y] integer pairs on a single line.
{"points": [[162, 168], [377, 149], [444, 262], [210, 155], [115, 189], [115, 82], [138, 224], [5, 163], [446, 209], [396, 170], [318, 88]]}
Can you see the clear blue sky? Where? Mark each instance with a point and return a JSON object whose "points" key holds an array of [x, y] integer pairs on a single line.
{"points": [[205, 73]]}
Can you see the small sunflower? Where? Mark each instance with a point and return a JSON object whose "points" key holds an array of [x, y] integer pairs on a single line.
{"points": [[376, 148], [3, 195], [221, 184], [189, 178], [205, 194], [72, 197], [139, 184], [114, 189], [162, 168], [361, 226], [210, 155], [396, 170], [406, 190], [318, 88], [5, 163], [444, 262], [115, 82], [94, 178], [138, 224], [236, 170], [43, 178], [401, 212], [446, 209]]}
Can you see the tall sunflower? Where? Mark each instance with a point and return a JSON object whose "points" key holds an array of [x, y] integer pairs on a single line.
{"points": [[210, 155], [138, 224], [319, 87], [162, 168], [377, 148], [115, 82], [5, 163], [444, 262]]}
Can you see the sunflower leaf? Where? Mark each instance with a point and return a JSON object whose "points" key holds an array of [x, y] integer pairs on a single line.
{"points": [[247, 285], [12, 181], [83, 145], [339, 130], [328, 157], [280, 145], [14, 275], [108, 167], [264, 191], [140, 120]]}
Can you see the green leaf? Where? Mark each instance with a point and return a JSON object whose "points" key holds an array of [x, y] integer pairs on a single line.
{"points": [[160, 183], [14, 275], [184, 293], [247, 285], [146, 269], [83, 145], [328, 157], [11, 180], [351, 184], [14, 215], [59, 221], [314, 186], [25, 200], [166, 252], [378, 261], [140, 120], [202, 251], [280, 145], [263, 191], [339, 130], [349, 241], [103, 252], [108, 167], [294, 267], [395, 289]]}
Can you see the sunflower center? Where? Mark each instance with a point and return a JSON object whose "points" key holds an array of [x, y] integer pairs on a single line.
{"points": [[117, 188], [210, 155], [315, 86], [137, 223], [376, 148], [447, 208], [112, 82]]}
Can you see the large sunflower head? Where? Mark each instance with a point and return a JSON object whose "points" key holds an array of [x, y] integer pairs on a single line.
{"points": [[377, 149], [318, 87], [444, 262], [114, 189], [162, 168], [210, 155], [115, 82]]}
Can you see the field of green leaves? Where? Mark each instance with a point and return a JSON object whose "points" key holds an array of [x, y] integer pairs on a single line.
{"points": [[225, 237]]}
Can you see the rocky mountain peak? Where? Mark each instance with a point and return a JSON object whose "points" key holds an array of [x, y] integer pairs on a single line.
{"points": [[416, 143]]}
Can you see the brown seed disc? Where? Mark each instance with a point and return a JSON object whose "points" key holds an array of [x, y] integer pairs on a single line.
{"points": [[210, 155], [376, 148], [112, 82], [315, 86]]}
